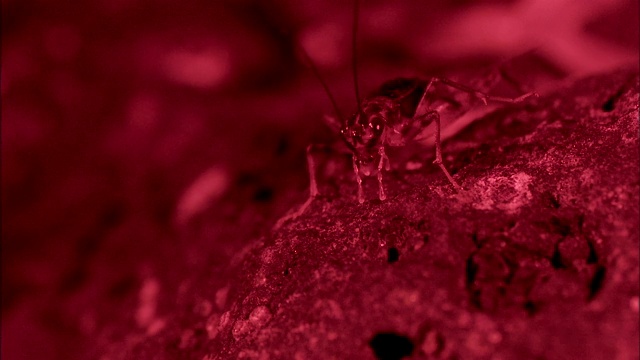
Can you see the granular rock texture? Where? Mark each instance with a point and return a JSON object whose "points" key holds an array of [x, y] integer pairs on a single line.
{"points": [[538, 258]]}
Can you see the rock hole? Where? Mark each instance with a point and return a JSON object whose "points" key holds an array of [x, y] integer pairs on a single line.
{"points": [[530, 307], [392, 255], [580, 223], [122, 287], [470, 271], [610, 104], [391, 346], [74, 279], [596, 282], [474, 239], [245, 178], [286, 272], [263, 194], [283, 145], [560, 226], [551, 200], [592, 258], [556, 259], [113, 215]]}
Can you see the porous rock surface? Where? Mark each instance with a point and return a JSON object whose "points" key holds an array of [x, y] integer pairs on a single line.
{"points": [[538, 258]]}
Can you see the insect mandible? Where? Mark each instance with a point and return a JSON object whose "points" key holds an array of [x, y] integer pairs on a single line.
{"points": [[392, 116]]}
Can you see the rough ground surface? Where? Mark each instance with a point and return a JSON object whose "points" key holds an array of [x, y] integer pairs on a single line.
{"points": [[537, 259]]}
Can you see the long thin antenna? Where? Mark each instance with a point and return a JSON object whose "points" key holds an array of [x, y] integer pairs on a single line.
{"points": [[354, 49], [316, 72]]}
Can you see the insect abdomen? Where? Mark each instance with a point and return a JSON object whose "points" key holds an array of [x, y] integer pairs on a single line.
{"points": [[407, 92]]}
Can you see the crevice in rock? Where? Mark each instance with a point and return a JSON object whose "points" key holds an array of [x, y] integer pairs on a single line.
{"points": [[556, 258], [592, 258], [560, 226], [531, 308], [551, 200], [393, 255], [596, 282], [391, 346], [263, 194]]}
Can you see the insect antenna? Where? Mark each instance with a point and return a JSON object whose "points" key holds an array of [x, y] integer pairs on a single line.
{"points": [[354, 55], [325, 86], [316, 73]]}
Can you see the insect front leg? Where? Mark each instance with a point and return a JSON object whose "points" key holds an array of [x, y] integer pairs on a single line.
{"points": [[311, 166], [356, 170], [381, 166], [313, 190]]}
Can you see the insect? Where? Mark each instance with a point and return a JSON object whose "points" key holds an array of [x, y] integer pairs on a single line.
{"points": [[392, 116]]}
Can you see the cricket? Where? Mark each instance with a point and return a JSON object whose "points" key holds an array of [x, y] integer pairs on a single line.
{"points": [[393, 116]]}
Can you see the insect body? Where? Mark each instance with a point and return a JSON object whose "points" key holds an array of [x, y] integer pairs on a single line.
{"points": [[379, 123], [393, 116]]}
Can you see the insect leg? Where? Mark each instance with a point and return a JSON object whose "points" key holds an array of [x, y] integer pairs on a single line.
{"points": [[479, 94], [425, 119], [422, 104], [381, 165], [311, 165], [438, 160], [313, 190], [358, 179]]}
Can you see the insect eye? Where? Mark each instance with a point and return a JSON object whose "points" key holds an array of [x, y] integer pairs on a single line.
{"points": [[377, 125]]}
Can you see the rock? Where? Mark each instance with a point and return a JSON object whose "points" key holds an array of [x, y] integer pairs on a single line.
{"points": [[537, 259]]}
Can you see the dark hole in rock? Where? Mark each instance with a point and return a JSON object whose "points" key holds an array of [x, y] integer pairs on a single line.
{"points": [[263, 194], [391, 346], [113, 215], [530, 307], [286, 272], [245, 178], [474, 239], [609, 105], [592, 258], [122, 287], [283, 145], [471, 270], [551, 200], [556, 260], [392, 255], [74, 280], [560, 226], [596, 281], [475, 298]]}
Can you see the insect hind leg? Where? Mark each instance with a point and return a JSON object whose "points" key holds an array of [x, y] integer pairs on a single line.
{"points": [[485, 98], [438, 161]]}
